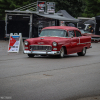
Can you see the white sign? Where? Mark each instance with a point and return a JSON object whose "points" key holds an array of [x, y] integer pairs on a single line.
{"points": [[50, 7], [15, 43]]}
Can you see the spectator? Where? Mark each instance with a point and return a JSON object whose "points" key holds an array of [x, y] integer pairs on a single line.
{"points": [[91, 29]]}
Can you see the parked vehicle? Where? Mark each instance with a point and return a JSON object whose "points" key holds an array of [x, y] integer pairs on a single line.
{"points": [[94, 38], [58, 40]]}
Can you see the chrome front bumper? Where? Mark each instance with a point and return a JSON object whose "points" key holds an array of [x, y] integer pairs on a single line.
{"points": [[95, 39], [42, 52]]}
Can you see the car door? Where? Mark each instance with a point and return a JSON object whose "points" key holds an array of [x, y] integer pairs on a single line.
{"points": [[73, 41], [79, 36]]}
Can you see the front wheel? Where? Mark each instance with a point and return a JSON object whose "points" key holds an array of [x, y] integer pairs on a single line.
{"points": [[30, 55], [61, 52], [82, 53]]}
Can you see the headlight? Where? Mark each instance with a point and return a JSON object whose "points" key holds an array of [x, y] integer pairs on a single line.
{"points": [[54, 44], [26, 43]]}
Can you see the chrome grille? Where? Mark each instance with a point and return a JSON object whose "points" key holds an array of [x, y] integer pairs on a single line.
{"points": [[40, 47]]}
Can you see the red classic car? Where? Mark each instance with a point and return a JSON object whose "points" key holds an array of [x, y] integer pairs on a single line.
{"points": [[58, 40], [94, 38]]}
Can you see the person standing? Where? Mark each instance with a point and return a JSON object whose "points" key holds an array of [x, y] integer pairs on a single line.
{"points": [[91, 29]]}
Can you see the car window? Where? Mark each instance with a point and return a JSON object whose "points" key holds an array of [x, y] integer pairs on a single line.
{"points": [[71, 33], [53, 33], [78, 33], [84, 31], [66, 34]]}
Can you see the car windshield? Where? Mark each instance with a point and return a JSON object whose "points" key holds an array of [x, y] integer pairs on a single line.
{"points": [[53, 33], [84, 31]]}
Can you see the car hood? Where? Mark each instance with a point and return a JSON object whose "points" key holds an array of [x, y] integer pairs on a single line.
{"points": [[92, 35], [45, 40]]}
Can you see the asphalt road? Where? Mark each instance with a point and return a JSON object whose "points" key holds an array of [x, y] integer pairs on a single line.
{"points": [[49, 78]]}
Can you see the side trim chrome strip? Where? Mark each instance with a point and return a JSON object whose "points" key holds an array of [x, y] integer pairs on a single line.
{"points": [[84, 43]]}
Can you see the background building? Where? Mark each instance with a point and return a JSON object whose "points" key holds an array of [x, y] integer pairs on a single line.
{"points": [[30, 19]]}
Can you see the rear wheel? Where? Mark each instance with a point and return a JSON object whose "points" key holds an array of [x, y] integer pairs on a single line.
{"points": [[30, 55], [61, 52], [82, 53]]}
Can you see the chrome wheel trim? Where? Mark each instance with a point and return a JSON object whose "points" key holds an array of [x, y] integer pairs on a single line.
{"points": [[84, 50], [62, 52]]}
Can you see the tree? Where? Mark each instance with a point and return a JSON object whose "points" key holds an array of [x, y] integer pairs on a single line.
{"points": [[11, 5], [73, 7], [92, 8]]}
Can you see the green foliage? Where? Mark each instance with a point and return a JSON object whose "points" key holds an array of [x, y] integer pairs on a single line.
{"points": [[73, 7], [11, 5], [76, 8], [92, 8]]}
